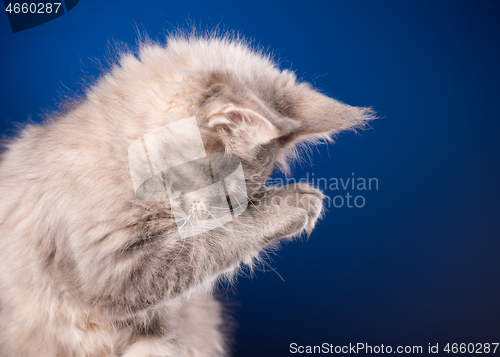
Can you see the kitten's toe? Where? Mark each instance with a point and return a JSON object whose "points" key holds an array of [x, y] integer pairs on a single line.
{"points": [[311, 199]]}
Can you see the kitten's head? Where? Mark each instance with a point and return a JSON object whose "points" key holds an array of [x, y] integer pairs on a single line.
{"points": [[245, 104], [255, 110]]}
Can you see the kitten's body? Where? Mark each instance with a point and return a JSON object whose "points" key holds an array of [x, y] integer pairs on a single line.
{"points": [[87, 268]]}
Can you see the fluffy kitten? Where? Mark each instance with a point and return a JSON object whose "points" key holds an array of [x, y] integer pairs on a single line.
{"points": [[87, 267]]}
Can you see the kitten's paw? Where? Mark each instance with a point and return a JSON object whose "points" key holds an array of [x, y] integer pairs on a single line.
{"points": [[292, 209], [306, 198], [311, 200]]}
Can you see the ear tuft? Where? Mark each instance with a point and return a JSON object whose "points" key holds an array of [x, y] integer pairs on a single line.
{"points": [[351, 118]]}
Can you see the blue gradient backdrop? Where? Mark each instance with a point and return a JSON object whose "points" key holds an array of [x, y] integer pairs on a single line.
{"points": [[419, 263]]}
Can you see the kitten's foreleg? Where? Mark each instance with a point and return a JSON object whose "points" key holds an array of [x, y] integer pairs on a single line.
{"points": [[274, 213], [171, 266]]}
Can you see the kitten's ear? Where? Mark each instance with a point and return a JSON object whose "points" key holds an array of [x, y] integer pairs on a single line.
{"points": [[247, 121], [245, 124], [321, 114]]}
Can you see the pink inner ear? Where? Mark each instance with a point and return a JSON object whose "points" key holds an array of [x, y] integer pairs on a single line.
{"points": [[247, 125]]}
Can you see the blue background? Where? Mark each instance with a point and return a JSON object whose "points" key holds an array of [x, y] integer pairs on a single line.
{"points": [[419, 263]]}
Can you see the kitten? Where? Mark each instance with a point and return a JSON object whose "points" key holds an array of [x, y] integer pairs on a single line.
{"points": [[90, 265]]}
